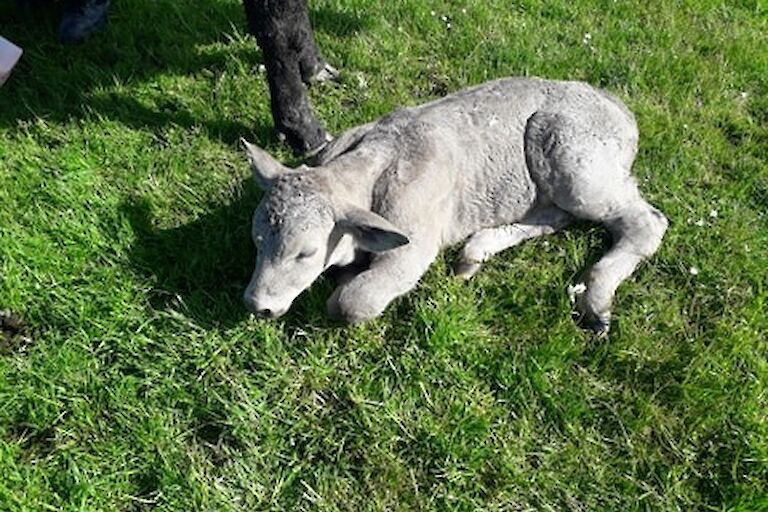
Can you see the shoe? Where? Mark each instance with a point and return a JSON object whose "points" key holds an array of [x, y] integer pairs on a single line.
{"points": [[79, 22]]}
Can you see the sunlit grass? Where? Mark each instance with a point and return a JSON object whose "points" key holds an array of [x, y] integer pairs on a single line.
{"points": [[141, 384]]}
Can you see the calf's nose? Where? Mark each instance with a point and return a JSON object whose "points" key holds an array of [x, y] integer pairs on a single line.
{"points": [[250, 303], [263, 308], [258, 310], [265, 313]]}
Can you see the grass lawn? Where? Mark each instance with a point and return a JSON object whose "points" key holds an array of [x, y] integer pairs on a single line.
{"points": [[140, 383]]}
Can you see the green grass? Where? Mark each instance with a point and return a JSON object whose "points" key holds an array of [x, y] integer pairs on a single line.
{"points": [[143, 384]]}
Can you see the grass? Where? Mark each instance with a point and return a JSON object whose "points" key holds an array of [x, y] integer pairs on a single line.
{"points": [[141, 384]]}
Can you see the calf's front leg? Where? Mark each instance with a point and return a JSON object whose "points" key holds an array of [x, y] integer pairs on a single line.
{"points": [[391, 274]]}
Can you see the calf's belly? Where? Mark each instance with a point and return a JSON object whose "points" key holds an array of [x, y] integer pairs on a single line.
{"points": [[497, 196]]}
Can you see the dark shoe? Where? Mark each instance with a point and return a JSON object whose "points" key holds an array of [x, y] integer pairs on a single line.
{"points": [[80, 21]]}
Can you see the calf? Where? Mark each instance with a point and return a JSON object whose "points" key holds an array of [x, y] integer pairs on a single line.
{"points": [[494, 165]]}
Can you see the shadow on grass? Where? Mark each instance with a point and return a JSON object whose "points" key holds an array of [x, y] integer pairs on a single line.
{"points": [[144, 38], [200, 268]]}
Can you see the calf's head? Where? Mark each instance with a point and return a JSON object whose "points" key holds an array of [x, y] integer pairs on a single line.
{"points": [[300, 228]]}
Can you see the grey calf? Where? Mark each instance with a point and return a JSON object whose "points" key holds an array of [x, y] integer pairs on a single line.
{"points": [[495, 164]]}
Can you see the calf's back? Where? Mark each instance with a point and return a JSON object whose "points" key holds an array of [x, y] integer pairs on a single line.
{"points": [[458, 164]]}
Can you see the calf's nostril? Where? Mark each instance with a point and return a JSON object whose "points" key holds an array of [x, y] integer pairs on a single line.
{"points": [[264, 313]]}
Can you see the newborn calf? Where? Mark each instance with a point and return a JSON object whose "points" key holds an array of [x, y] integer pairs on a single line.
{"points": [[494, 165]]}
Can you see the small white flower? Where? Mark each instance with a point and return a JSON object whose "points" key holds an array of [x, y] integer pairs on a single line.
{"points": [[444, 18], [448, 26], [575, 290], [713, 213], [587, 38], [463, 11], [693, 271], [744, 95], [699, 222], [262, 68], [362, 83], [432, 13]]}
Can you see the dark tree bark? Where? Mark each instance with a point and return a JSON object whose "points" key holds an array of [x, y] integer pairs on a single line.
{"points": [[284, 33]]}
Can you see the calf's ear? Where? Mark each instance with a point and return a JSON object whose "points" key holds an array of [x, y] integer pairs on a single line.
{"points": [[265, 168], [371, 231]]}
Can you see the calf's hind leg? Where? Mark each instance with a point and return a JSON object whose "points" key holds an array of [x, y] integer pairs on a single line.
{"points": [[487, 242], [637, 234], [584, 167]]}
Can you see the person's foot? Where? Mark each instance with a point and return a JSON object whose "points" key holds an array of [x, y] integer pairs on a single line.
{"points": [[81, 20]]}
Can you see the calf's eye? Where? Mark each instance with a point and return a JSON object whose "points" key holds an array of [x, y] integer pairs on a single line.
{"points": [[307, 253]]}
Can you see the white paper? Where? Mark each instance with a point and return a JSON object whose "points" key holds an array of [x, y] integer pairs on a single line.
{"points": [[9, 56]]}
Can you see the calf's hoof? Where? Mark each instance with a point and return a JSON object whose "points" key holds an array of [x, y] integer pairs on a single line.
{"points": [[586, 315], [598, 325], [347, 311], [465, 269]]}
